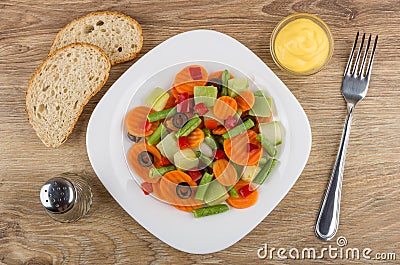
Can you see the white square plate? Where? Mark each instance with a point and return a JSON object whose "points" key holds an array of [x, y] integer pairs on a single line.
{"points": [[105, 143]]}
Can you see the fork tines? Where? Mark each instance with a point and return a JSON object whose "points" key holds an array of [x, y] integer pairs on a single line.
{"points": [[358, 68]]}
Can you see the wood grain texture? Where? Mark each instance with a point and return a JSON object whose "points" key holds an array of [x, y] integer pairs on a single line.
{"points": [[107, 235]]}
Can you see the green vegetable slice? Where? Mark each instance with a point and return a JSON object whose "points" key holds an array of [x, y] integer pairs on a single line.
{"points": [[237, 85], [205, 94], [261, 107], [268, 146], [157, 99]]}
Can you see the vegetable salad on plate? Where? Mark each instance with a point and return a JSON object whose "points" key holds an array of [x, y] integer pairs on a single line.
{"points": [[205, 145]]}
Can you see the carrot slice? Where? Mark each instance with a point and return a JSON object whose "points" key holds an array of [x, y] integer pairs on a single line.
{"points": [[136, 121], [157, 190], [245, 100], [188, 208], [211, 124], [220, 130], [218, 75], [224, 172], [143, 172], [225, 106], [174, 93], [168, 184], [236, 149], [241, 202], [195, 138], [171, 102], [185, 82]]}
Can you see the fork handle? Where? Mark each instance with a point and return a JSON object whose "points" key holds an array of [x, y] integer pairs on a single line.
{"points": [[328, 217]]}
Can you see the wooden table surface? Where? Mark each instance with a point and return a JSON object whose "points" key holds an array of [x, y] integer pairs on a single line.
{"points": [[108, 235]]}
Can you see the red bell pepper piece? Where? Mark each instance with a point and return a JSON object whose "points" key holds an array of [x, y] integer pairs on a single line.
{"points": [[230, 122], [165, 162], [183, 103], [147, 188], [195, 174], [147, 126], [251, 147], [211, 124], [219, 154], [246, 191], [183, 142], [195, 73], [201, 108]]}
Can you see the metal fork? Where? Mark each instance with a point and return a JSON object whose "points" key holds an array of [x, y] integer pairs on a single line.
{"points": [[354, 88]]}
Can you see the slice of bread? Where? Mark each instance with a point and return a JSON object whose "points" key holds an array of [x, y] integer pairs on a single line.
{"points": [[60, 88], [119, 36]]}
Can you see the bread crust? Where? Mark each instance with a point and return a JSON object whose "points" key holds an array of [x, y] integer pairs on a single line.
{"points": [[114, 13], [102, 83]]}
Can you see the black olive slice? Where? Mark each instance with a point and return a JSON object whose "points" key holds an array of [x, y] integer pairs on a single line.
{"points": [[134, 138], [183, 190], [179, 119], [145, 159]]}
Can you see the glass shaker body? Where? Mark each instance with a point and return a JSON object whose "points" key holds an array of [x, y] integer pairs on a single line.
{"points": [[66, 197]]}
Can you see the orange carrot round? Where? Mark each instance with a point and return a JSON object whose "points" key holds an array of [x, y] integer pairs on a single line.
{"points": [[143, 172], [185, 81], [236, 149], [135, 121], [195, 138], [168, 186], [245, 100], [220, 130], [224, 172], [241, 202], [224, 107]]}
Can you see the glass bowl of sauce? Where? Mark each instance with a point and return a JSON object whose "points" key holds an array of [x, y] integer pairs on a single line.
{"points": [[301, 44]]}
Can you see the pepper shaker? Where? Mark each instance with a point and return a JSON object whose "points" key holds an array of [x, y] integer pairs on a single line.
{"points": [[66, 197]]}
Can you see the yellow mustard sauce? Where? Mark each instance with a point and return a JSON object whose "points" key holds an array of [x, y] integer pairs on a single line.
{"points": [[302, 45]]}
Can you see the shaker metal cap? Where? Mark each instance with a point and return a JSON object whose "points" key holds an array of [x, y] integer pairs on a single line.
{"points": [[57, 195]]}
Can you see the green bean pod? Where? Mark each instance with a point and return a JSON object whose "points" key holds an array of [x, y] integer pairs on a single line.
{"points": [[238, 129], [265, 171], [156, 116], [233, 192], [189, 127], [210, 210], [155, 137], [158, 172], [224, 79], [203, 185]]}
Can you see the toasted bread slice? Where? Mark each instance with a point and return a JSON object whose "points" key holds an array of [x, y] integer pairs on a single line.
{"points": [[60, 88], [119, 36]]}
